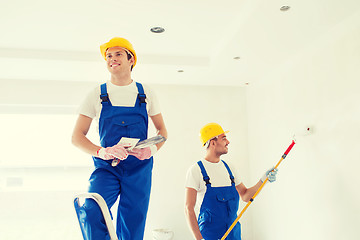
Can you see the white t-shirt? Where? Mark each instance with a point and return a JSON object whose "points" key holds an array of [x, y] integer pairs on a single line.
{"points": [[218, 174], [119, 96]]}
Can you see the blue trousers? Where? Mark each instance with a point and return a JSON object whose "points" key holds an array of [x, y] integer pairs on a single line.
{"points": [[133, 186]]}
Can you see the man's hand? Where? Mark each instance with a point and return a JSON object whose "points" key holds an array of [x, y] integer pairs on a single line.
{"points": [[270, 174], [117, 151], [143, 153]]}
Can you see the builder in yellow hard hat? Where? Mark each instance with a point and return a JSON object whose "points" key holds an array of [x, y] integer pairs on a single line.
{"points": [[214, 188], [121, 108]]}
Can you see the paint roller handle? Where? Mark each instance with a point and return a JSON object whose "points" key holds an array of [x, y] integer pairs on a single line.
{"points": [[257, 192], [289, 148], [286, 153]]}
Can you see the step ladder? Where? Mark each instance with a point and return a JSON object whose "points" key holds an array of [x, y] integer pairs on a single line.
{"points": [[104, 209]]}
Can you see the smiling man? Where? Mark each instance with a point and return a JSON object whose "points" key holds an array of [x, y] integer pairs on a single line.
{"points": [[214, 188], [120, 107]]}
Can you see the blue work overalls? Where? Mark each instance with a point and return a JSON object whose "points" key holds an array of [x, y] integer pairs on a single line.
{"points": [[219, 209], [131, 178]]}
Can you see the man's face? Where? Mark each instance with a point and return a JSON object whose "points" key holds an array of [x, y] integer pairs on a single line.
{"points": [[117, 60], [221, 144]]}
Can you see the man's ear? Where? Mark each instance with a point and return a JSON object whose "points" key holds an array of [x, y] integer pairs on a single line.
{"points": [[132, 60]]}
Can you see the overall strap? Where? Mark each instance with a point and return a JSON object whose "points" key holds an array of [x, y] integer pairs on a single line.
{"points": [[230, 173], [141, 95], [104, 96], [206, 178]]}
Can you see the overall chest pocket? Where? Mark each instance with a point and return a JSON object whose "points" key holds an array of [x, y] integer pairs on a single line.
{"points": [[227, 202], [225, 196], [134, 128], [122, 126]]}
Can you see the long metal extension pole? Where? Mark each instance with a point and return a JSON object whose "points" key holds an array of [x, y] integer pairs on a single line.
{"points": [[256, 193]]}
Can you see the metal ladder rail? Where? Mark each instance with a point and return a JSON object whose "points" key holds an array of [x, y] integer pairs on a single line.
{"points": [[104, 209]]}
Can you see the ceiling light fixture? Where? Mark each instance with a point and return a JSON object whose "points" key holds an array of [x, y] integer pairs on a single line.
{"points": [[237, 58], [157, 29], [284, 8]]}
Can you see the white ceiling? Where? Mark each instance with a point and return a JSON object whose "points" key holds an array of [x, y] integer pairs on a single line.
{"points": [[44, 40]]}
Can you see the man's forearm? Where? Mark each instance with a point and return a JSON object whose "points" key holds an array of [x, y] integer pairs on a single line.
{"points": [[162, 132], [251, 191], [85, 144], [194, 227]]}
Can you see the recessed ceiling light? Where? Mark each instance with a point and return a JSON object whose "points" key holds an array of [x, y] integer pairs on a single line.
{"points": [[237, 58], [284, 8], [157, 29], [180, 70]]}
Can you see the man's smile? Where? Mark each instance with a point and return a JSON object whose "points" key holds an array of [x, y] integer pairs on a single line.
{"points": [[114, 64]]}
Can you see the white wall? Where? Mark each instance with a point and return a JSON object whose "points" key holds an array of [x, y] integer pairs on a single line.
{"points": [[316, 195]]}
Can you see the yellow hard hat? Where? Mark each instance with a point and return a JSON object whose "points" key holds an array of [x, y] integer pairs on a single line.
{"points": [[210, 131], [118, 42]]}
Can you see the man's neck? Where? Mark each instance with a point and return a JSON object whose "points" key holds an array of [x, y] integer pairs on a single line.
{"points": [[212, 158], [121, 79]]}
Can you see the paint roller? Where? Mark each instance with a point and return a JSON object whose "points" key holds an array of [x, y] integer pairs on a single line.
{"points": [[257, 192]]}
